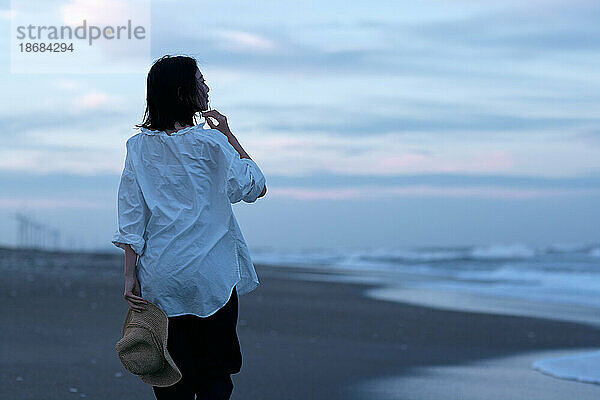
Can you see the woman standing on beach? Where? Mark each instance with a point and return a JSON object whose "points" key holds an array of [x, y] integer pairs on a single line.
{"points": [[184, 250]]}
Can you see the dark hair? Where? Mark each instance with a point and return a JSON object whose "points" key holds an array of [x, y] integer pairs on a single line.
{"points": [[164, 107]]}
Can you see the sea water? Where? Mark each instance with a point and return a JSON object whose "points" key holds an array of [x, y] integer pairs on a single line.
{"points": [[559, 281]]}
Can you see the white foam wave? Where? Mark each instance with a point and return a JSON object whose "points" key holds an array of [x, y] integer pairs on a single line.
{"points": [[583, 367], [510, 251]]}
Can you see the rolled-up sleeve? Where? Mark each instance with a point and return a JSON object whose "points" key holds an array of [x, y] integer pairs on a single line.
{"points": [[132, 211], [245, 180]]}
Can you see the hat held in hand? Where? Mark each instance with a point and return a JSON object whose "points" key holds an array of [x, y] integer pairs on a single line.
{"points": [[143, 347]]}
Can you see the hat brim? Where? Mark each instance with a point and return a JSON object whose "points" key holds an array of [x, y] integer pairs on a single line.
{"points": [[167, 376], [170, 373]]}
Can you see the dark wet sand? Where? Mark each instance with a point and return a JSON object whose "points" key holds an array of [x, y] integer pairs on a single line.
{"points": [[300, 339]]}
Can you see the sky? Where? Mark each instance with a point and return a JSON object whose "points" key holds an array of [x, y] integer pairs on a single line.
{"points": [[387, 125]]}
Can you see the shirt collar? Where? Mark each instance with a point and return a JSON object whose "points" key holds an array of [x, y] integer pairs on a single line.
{"points": [[179, 132]]}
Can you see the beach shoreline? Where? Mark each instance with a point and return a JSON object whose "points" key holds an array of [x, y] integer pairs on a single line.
{"points": [[300, 338]]}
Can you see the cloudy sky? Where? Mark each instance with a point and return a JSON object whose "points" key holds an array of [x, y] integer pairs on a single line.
{"points": [[383, 124]]}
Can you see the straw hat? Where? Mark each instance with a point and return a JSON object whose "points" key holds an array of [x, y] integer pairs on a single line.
{"points": [[143, 346]]}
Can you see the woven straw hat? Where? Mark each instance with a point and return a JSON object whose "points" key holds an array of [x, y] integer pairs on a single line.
{"points": [[143, 346]]}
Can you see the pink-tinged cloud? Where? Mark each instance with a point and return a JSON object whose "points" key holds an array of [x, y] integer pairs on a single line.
{"points": [[398, 162], [494, 161], [92, 100], [369, 192], [240, 40], [61, 160], [282, 142], [68, 84], [477, 161], [380, 155]]}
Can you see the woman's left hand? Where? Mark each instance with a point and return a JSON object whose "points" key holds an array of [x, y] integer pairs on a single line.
{"points": [[132, 294]]}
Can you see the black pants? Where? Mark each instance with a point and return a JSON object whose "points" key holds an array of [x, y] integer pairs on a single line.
{"points": [[206, 351]]}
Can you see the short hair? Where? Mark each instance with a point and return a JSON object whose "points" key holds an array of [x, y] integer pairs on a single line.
{"points": [[164, 107]]}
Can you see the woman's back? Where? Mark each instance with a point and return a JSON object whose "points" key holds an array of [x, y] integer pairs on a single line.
{"points": [[175, 207]]}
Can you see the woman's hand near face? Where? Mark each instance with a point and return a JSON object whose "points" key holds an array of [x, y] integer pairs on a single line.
{"points": [[222, 126]]}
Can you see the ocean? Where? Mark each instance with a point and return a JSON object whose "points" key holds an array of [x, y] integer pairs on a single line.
{"points": [[567, 274], [559, 281]]}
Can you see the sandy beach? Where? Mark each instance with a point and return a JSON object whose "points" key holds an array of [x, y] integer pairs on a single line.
{"points": [[300, 338]]}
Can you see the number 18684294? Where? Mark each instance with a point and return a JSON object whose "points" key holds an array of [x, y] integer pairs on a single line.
{"points": [[46, 47]]}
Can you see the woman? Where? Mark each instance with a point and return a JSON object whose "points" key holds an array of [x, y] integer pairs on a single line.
{"points": [[184, 250]]}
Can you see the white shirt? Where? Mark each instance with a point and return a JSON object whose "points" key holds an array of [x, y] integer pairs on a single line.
{"points": [[174, 209]]}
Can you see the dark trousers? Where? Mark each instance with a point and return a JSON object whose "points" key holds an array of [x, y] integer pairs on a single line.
{"points": [[213, 388], [206, 351]]}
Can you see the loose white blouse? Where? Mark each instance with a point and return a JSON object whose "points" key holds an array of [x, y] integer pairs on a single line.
{"points": [[174, 210]]}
